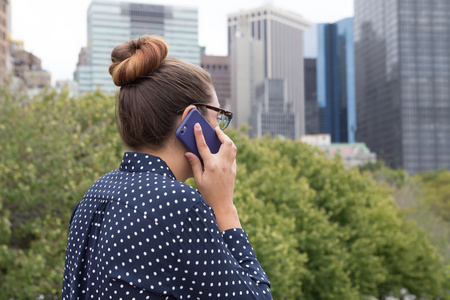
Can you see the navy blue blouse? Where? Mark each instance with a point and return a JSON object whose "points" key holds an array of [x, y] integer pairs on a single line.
{"points": [[138, 233]]}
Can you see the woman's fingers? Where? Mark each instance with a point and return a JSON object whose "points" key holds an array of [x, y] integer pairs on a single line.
{"points": [[227, 149], [227, 143], [221, 135], [202, 147]]}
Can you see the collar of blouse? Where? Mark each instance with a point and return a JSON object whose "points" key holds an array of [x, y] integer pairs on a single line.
{"points": [[142, 162]]}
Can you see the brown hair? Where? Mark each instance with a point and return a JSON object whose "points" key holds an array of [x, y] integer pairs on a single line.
{"points": [[153, 88]]}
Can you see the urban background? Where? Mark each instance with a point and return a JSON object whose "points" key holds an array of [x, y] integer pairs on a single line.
{"points": [[352, 115]]}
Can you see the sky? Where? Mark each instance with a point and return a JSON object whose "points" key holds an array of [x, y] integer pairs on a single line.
{"points": [[55, 30]]}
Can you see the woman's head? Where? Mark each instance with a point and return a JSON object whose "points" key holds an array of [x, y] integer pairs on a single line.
{"points": [[152, 89]]}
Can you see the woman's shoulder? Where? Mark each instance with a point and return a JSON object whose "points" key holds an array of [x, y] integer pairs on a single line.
{"points": [[172, 200], [159, 198]]}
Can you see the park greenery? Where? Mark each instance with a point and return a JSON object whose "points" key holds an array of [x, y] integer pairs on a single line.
{"points": [[320, 231]]}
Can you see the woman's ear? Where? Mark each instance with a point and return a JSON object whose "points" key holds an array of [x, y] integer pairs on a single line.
{"points": [[186, 111]]}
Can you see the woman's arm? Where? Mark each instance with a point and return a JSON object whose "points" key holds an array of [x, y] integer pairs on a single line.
{"points": [[215, 180], [216, 258], [217, 264]]}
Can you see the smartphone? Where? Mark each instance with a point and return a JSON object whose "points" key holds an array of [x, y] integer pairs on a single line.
{"points": [[185, 133]]}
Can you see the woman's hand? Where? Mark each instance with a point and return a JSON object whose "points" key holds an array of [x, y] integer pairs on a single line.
{"points": [[215, 180]]}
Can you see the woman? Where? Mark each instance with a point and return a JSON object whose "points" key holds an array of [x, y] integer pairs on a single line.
{"points": [[139, 232]]}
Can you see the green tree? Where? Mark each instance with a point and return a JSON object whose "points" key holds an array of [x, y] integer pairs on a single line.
{"points": [[436, 191], [52, 147], [319, 230], [364, 245], [417, 196]]}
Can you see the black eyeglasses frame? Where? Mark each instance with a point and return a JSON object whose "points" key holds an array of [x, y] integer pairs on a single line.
{"points": [[227, 113]]}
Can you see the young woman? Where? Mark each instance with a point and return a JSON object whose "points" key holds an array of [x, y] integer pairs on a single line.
{"points": [[140, 232]]}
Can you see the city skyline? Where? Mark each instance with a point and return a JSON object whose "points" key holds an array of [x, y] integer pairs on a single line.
{"points": [[60, 34]]}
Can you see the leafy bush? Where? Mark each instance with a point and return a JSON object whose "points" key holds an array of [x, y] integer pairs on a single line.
{"points": [[319, 230], [356, 240], [52, 148]]}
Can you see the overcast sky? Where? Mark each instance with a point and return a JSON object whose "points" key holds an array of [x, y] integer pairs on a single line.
{"points": [[55, 30]]}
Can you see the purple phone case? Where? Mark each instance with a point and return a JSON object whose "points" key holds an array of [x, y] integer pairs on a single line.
{"points": [[187, 137]]}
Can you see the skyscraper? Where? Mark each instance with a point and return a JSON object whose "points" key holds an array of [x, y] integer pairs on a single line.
{"points": [[112, 22], [402, 56], [266, 44], [336, 81]]}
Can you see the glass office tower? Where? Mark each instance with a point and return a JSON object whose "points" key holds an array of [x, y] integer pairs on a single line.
{"points": [[112, 22], [336, 81], [402, 50]]}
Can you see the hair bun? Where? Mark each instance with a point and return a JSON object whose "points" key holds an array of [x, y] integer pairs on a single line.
{"points": [[137, 58]]}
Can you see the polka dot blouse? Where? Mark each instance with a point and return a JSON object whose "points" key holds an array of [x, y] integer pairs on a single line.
{"points": [[138, 233]]}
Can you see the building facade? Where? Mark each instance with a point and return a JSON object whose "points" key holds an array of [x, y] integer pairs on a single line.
{"points": [[4, 41], [266, 44], [311, 105], [218, 68], [354, 154], [336, 81], [69, 86], [271, 113], [111, 22], [27, 69], [402, 53]]}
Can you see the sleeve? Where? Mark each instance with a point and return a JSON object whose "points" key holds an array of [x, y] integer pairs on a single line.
{"points": [[217, 265]]}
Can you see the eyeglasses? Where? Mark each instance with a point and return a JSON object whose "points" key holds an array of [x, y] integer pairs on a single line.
{"points": [[223, 118]]}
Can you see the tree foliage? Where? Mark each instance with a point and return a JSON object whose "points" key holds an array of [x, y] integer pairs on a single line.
{"points": [[423, 198], [356, 240], [319, 230], [435, 194], [52, 147], [436, 191]]}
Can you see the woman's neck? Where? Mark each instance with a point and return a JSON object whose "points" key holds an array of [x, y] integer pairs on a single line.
{"points": [[172, 153]]}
